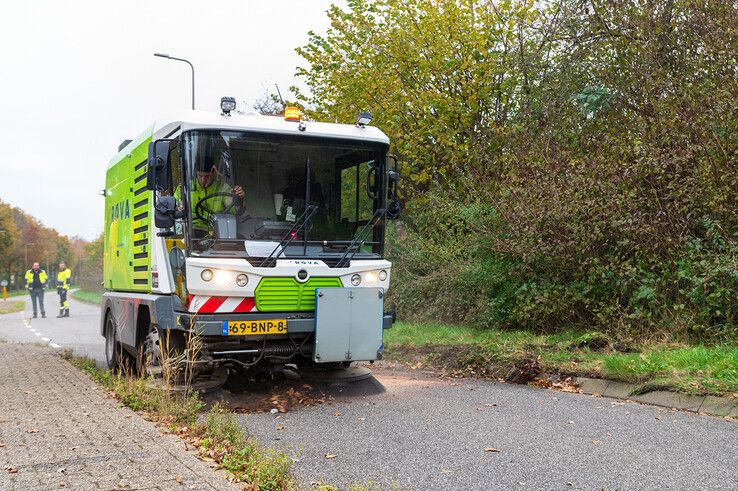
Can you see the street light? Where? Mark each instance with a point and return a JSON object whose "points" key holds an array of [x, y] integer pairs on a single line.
{"points": [[164, 55]]}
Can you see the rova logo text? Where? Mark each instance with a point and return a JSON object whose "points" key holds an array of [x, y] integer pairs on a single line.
{"points": [[120, 211]]}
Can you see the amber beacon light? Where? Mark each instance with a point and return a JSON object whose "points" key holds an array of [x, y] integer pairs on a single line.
{"points": [[291, 114]]}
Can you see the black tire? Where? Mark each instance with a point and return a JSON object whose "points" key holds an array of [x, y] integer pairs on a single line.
{"points": [[112, 343], [116, 357]]}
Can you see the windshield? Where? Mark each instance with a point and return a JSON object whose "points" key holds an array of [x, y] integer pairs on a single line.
{"points": [[253, 194]]}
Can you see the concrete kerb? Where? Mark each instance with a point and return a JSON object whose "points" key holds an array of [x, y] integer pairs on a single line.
{"points": [[712, 405]]}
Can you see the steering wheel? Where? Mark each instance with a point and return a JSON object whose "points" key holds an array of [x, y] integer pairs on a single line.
{"points": [[235, 208]]}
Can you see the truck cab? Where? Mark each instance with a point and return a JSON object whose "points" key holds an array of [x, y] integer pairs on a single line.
{"points": [[239, 241]]}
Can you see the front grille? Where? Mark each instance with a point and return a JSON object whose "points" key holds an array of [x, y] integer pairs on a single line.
{"points": [[289, 295]]}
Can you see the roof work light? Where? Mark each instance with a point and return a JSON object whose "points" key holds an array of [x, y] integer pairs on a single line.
{"points": [[291, 113], [227, 104], [365, 117]]}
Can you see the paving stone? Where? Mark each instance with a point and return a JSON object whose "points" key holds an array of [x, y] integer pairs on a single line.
{"points": [[720, 406], [671, 399], [58, 426]]}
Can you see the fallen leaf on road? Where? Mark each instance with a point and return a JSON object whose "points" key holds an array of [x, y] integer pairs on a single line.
{"points": [[596, 442], [178, 479], [33, 430], [491, 449], [280, 427], [2, 445], [491, 404], [330, 456], [337, 413], [12, 470]]}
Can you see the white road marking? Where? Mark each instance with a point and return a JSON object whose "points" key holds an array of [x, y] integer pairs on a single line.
{"points": [[37, 333], [32, 329], [54, 345]]}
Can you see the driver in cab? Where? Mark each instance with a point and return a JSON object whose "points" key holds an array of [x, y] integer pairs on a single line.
{"points": [[207, 182]]}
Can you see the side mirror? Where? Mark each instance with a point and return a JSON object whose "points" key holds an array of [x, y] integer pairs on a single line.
{"points": [[158, 173], [371, 181], [176, 258], [393, 205], [164, 211]]}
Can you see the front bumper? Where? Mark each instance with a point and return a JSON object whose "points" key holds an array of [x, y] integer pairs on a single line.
{"points": [[212, 324]]}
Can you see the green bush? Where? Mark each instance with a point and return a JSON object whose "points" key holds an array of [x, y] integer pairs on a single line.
{"points": [[563, 164]]}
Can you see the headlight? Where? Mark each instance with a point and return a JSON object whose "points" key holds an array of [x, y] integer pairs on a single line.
{"points": [[382, 275], [356, 280], [370, 277], [242, 280], [206, 275], [223, 277]]}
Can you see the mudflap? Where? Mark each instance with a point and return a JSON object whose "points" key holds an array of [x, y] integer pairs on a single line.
{"points": [[348, 324]]}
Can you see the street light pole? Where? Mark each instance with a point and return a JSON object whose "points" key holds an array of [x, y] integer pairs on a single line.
{"points": [[164, 55]]}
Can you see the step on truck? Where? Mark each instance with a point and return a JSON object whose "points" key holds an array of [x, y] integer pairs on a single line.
{"points": [[237, 243]]}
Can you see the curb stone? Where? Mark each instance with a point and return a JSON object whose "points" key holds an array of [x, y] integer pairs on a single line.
{"points": [[720, 406], [712, 405]]}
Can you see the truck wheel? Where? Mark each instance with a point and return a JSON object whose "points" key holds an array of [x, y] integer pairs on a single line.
{"points": [[116, 357], [112, 344]]}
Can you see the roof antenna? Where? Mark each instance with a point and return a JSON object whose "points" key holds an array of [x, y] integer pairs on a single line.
{"points": [[279, 94]]}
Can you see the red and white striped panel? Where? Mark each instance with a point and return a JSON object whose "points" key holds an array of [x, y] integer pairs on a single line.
{"points": [[203, 304]]}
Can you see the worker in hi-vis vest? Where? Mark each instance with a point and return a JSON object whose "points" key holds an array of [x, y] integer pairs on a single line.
{"points": [[36, 282], [63, 279]]}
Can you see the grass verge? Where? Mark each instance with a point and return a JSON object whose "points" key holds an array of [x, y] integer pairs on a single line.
{"points": [[17, 293], [85, 296], [218, 437], [704, 370], [10, 306]]}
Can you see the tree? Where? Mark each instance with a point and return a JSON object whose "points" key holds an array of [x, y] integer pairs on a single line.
{"points": [[8, 234], [565, 163]]}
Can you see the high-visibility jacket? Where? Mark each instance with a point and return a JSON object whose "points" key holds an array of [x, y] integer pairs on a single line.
{"points": [[64, 278], [215, 205], [42, 278]]}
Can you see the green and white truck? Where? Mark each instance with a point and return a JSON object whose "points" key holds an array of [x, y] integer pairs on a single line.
{"points": [[260, 236]]}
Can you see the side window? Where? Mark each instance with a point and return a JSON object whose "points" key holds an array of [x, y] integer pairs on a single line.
{"points": [[175, 189], [356, 205]]}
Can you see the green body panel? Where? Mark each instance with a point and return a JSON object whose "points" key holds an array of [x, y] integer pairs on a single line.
{"points": [[287, 294], [128, 209]]}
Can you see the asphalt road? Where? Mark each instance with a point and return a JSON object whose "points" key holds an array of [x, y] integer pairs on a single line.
{"points": [[79, 332], [413, 430]]}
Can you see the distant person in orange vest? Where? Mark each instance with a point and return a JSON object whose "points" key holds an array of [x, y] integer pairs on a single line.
{"points": [[36, 282], [63, 280]]}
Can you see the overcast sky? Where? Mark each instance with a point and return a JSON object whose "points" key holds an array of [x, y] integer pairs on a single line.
{"points": [[77, 78]]}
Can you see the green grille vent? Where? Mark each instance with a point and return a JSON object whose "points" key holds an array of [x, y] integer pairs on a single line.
{"points": [[289, 295]]}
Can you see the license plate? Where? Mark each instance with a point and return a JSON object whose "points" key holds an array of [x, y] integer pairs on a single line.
{"points": [[255, 328]]}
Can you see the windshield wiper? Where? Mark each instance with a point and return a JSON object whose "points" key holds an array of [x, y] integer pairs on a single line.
{"points": [[359, 239], [302, 221]]}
